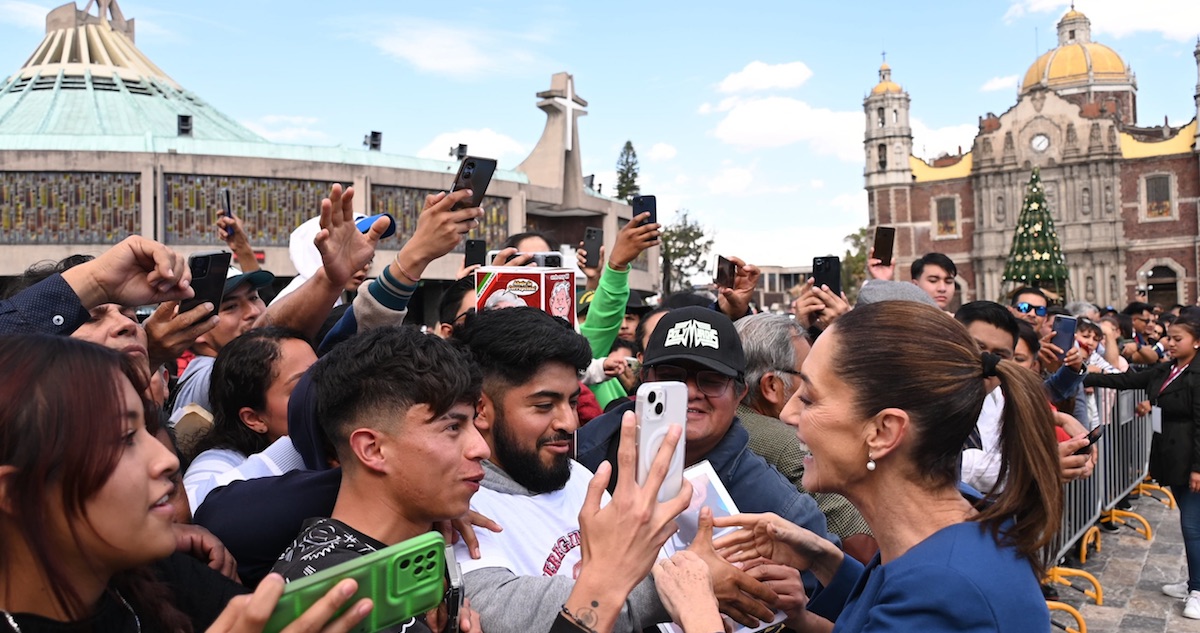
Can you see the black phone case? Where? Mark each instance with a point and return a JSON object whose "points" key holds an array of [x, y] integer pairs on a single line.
{"points": [[642, 204], [885, 239], [593, 238], [227, 203], [827, 271], [208, 280], [726, 272], [476, 253], [475, 174]]}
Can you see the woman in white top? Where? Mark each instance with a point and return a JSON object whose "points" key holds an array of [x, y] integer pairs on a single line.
{"points": [[252, 382]]}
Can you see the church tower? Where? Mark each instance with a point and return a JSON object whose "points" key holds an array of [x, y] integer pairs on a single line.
{"points": [[888, 139]]}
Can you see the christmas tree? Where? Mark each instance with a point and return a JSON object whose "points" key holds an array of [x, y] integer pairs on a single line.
{"points": [[1036, 258]]}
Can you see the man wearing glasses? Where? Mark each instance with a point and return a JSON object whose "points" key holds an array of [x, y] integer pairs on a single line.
{"points": [[1141, 349], [1030, 304], [700, 347]]}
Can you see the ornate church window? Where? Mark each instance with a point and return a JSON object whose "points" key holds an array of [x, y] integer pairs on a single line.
{"points": [[1158, 196], [947, 217]]}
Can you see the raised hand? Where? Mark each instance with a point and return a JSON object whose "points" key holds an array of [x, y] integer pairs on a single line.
{"points": [[169, 333], [344, 249], [735, 301], [249, 613], [773, 537], [685, 588], [135, 272], [741, 597], [632, 240]]}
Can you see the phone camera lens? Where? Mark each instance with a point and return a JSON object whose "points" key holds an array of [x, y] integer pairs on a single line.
{"points": [[467, 173], [471, 165], [200, 268], [652, 397], [658, 409]]}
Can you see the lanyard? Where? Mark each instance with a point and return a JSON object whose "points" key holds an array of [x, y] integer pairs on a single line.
{"points": [[1172, 376]]}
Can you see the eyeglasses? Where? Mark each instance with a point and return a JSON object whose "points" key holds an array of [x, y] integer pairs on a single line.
{"points": [[1026, 308], [463, 315], [710, 383]]}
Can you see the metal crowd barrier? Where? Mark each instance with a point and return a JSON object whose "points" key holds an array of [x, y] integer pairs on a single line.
{"points": [[1124, 457]]}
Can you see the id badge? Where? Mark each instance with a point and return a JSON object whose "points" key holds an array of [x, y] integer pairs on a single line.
{"points": [[1156, 419]]}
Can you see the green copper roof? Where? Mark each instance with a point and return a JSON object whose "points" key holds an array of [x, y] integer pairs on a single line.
{"points": [[63, 104]]}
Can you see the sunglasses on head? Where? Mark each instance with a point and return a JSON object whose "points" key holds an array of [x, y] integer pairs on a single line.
{"points": [[1025, 308]]}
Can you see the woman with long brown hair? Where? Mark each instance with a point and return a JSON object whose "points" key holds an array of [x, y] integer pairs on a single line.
{"points": [[886, 432], [84, 502]]}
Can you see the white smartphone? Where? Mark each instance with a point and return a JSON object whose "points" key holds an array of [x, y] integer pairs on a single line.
{"points": [[659, 405]]}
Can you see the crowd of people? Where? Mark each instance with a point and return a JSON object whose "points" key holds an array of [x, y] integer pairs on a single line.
{"points": [[920, 491]]}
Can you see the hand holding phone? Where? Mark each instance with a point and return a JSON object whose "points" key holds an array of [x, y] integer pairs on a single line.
{"points": [[1064, 334], [645, 204], [474, 173], [1092, 437], [475, 253], [827, 271], [659, 405], [593, 239], [726, 273], [885, 239], [227, 202], [208, 280]]}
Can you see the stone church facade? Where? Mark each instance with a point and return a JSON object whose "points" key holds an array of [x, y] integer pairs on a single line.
{"points": [[1123, 197]]}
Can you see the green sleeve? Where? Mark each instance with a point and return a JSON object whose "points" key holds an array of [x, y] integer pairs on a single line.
{"points": [[607, 310]]}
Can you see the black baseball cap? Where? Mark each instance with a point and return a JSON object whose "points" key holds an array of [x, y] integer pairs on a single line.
{"points": [[699, 335]]}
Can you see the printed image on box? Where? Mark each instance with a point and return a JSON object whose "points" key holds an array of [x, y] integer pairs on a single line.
{"points": [[551, 290]]}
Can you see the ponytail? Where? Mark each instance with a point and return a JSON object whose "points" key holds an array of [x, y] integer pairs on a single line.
{"points": [[1029, 468]]}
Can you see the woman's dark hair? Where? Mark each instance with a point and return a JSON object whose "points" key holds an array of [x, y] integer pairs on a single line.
{"points": [[241, 376], [514, 240], [1025, 332], [60, 422], [1125, 324], [936, 375], [1191, 324], [640, 334]]}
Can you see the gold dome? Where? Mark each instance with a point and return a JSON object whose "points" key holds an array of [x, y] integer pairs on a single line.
{"points": [[886, 85], [1077, 64]]}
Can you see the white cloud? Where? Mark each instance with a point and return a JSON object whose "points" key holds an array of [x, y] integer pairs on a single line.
{"points": [[816, 183], [851, 203], [283, 128], [26, 15], [731, 180], [762, 76], [1173, 19], [999, 83], [661, 152], [705, 108], [930, 143], [484, 142], [780, 121], [452, 50]]}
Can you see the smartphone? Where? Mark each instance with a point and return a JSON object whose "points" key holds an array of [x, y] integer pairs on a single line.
{"points": [[227, 200], [726, 272], [659, 405], [885, 238], [1092, 437], [455, 595], [476, 253], [403, 580], [643, 204], [208, 279], [475, 174], [593, 239], [544, 259], [1064, 334], [827, 271]]}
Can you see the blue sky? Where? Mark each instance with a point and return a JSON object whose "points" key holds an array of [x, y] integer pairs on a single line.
{"points": [[748, 114]]}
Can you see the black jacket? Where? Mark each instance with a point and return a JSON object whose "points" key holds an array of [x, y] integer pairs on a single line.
{"points": [[1174, 453]]}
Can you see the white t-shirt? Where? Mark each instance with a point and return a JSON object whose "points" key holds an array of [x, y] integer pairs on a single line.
{"points": [[981, 468], [541, 532]]}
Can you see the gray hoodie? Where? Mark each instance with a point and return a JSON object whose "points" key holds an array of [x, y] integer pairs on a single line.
{"points": [[508, 603]]}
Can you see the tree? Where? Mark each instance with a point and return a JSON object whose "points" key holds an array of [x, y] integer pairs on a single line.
{"points": [[684, 249], [627, 173], [1036, 257], [854, 263]]}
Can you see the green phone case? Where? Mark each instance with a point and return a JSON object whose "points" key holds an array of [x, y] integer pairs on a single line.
{"points": [[403, 580]]}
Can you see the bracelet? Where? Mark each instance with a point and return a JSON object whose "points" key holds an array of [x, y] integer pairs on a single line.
{"points": [[575, 620], [407, 275]]}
